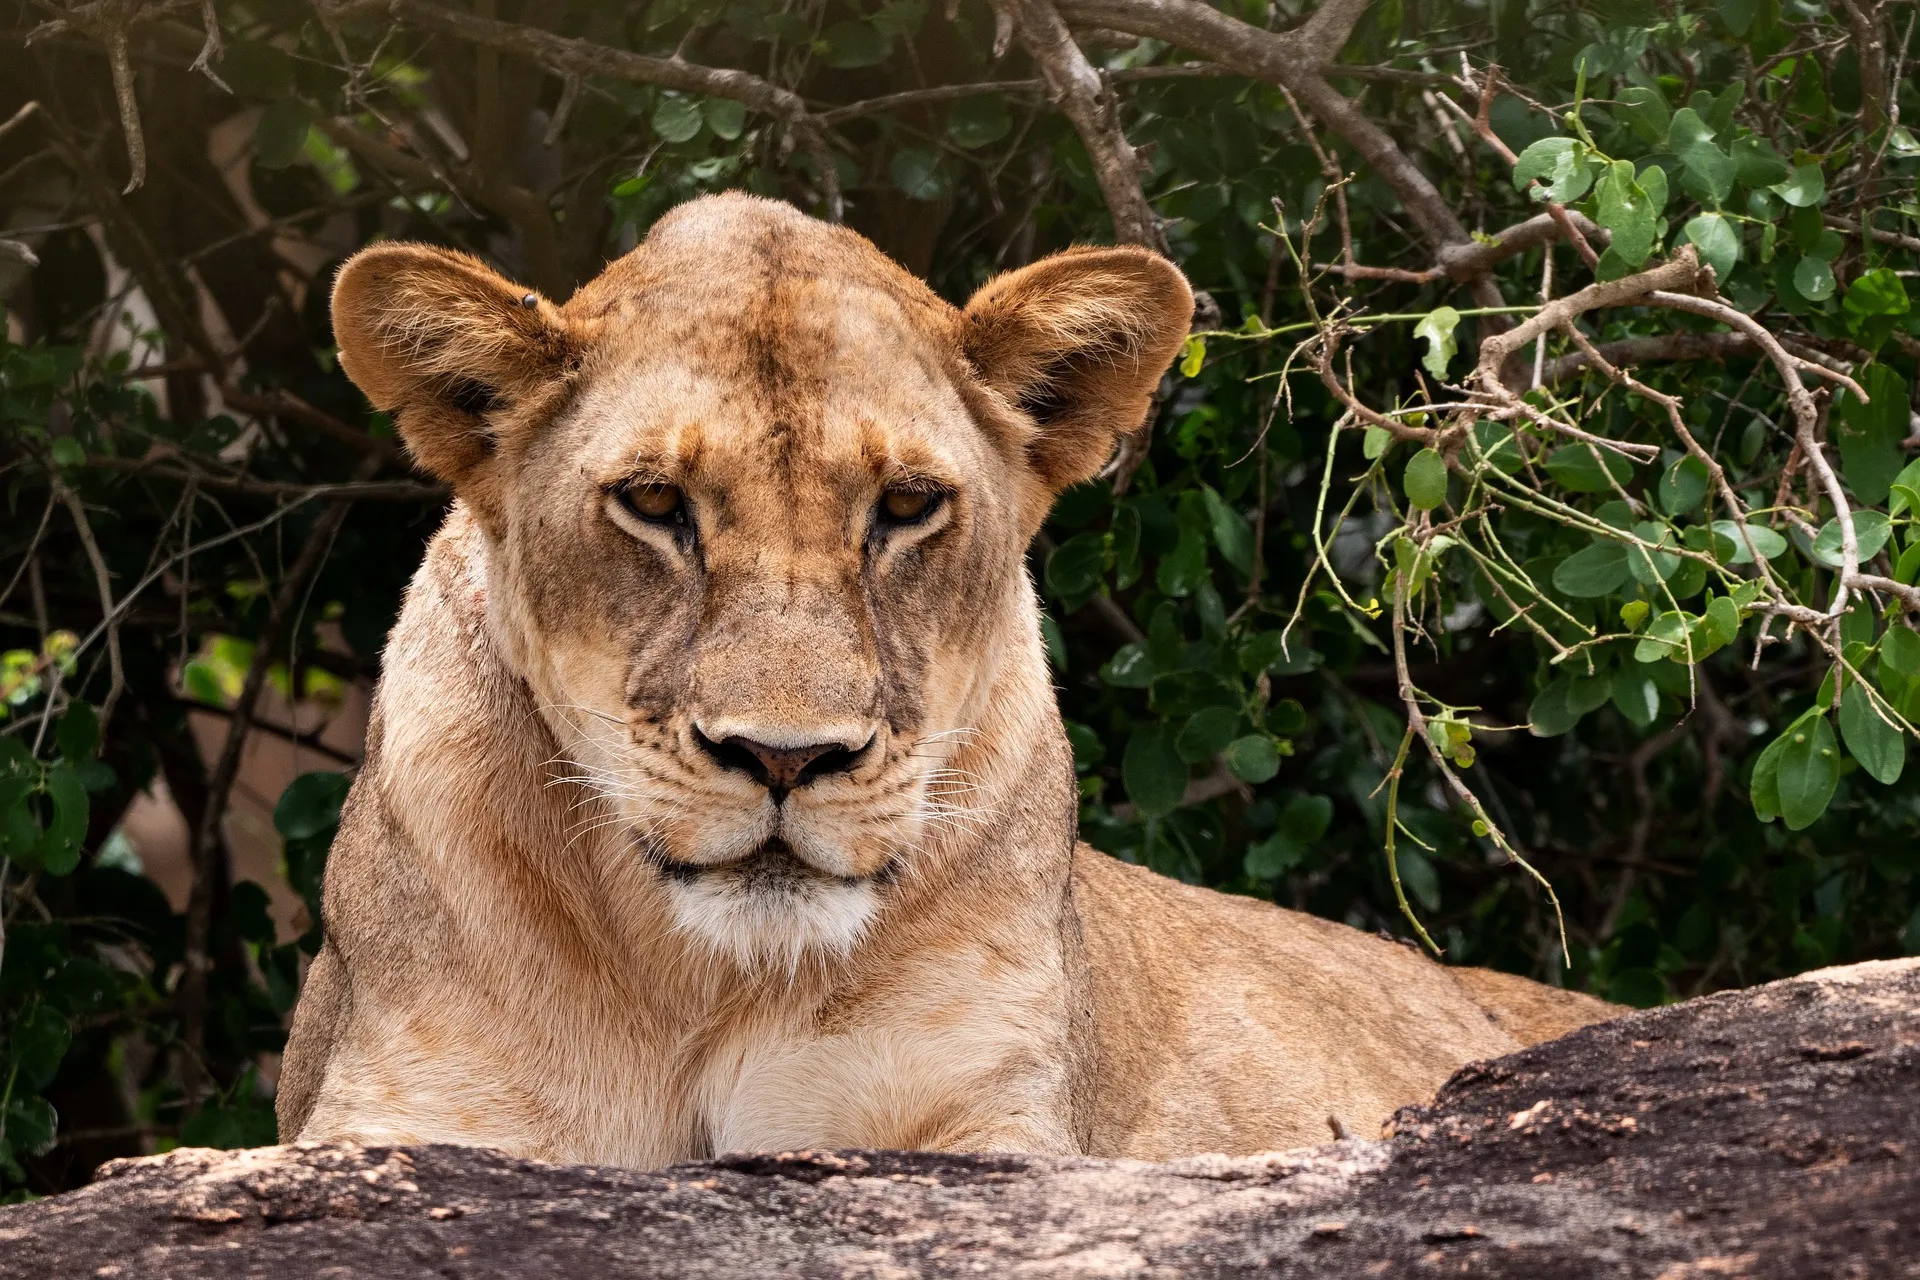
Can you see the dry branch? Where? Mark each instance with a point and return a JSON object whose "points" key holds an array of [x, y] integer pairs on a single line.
{"points": [[1296, 59], [1076, 89]]}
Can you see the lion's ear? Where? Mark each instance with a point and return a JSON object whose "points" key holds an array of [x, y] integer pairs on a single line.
{"points": [[440, 340], [1079, 341]]}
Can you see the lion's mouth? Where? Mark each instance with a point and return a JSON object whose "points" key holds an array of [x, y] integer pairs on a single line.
{"points": [[772, 868]]}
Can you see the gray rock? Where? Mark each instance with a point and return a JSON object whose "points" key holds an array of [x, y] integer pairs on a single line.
{"points": [[1770, 1132]]}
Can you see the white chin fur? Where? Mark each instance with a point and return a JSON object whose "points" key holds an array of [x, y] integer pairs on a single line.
{"points": [[758, 926]]}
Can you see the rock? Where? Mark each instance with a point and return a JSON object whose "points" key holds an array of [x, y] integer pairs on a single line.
{"points": [[1770, 1132]]}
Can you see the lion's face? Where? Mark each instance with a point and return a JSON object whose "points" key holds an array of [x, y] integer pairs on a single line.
{"points": [[757, 502]]}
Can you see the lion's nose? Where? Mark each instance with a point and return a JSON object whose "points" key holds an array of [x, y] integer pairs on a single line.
{"points": [[780, 769]]}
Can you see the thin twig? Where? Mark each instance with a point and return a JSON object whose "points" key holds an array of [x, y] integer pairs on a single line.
{"points": [[103, 582]]}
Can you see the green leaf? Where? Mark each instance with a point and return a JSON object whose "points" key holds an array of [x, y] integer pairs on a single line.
{"points": [[1374, 442], [1717, 241], [1683, 485], [1813, 277], [1273, 857], [1691, 139], [1645, 112], [68, 452], [1253, 758], [60, 853], [1422, 881], [1130, 667], [280, 135], [1303, 822], [899, 18], [1738, 14], [1807, 772], [854, 44], [1900, 651], [1497, 446], [1437, 328], [1635, 694], [1668, 636], [1764, 787], [78, 733], [30, 1125], [1306, 818], [1558, 707], [1185, 567], [1805, 188], [38, 1041], [1872, 307], [1723, 621], [1878, 292], [1595, 571], [1870, 532], [1231, 532], [1573, 173], [1193, 356], [1650, 568], [1747, 540], [1881, 748], [918, 172], [725, 116], [1627, 212], [1870, 435], [1425, 479], [1576, 467], [677, 119], [1653, 181], [1206, 733], [1907, 571], [1758, 164], [975, 122], [1076, 565], [309, 807], [1540, 159], [1152, 770]]}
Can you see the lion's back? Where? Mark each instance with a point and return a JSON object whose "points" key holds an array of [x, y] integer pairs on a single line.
{"points": [[1225, 1023]]}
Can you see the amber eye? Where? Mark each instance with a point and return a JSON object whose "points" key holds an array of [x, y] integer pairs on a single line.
{"points": [[908, 506], [660, 503]]}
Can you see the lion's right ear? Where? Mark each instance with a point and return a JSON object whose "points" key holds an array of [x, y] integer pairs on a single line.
{"points": [[441, 341]]}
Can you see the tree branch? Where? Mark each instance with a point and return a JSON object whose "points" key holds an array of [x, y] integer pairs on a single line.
{"points": [[1076, 88], [1295, 59]]}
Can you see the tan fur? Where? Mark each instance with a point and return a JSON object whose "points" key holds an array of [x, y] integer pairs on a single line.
{"points": [[557, 923]]}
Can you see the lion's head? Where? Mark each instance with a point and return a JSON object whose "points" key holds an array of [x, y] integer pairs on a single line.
{"points": [[755, 503]]}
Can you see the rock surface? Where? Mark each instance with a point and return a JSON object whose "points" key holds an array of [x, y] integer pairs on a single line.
{"points": [[1770, 1132]]}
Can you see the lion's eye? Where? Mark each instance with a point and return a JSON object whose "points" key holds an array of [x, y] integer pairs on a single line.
{"points": [[908, 506], [660, 503]]}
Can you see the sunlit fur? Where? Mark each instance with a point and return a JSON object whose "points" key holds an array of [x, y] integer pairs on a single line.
{"points": [[563, 917]]}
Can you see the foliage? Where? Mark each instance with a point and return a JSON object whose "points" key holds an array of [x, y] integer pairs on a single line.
{"points": [[1394, 599]]}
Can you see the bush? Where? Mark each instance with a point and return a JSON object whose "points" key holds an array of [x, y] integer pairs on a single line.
{"points": [[1521, 557]]}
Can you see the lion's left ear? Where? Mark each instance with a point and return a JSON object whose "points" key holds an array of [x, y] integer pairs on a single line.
{"points": [[1078, 341]]}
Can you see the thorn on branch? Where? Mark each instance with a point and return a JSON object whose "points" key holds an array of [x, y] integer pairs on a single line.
{"points": [[213, 50]]}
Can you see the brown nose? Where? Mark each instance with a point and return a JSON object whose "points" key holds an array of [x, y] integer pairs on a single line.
{"points": [[779, 769]]}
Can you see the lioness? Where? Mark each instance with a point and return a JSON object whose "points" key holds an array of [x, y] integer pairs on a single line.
{"points": [[716, 796]]}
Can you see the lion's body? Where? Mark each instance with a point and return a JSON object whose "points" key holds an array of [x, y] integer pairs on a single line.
{"points": [[559, 920]]}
